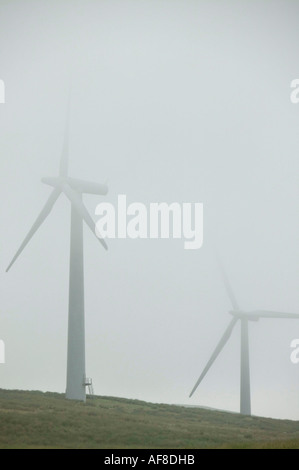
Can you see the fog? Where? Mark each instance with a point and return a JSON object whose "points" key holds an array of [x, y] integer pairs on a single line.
{"points": [[171, 101]]}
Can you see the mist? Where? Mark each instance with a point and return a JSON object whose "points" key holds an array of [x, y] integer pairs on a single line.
{"points": [[171, 101]]}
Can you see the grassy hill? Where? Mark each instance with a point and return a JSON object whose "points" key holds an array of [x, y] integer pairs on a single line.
{"points": [[47, 420]]}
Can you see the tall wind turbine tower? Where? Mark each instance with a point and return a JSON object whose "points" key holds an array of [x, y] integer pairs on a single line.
{"points": [[73, 189], [244, 317]]}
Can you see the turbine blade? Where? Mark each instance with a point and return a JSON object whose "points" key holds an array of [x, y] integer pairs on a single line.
{"points": [[273, 314], [81, 209], [55, 182], [40, 219], [87, 186], [216, 353], [64, 162], [227, 285]]}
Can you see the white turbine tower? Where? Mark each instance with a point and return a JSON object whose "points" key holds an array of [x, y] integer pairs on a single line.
{"points": [[73, 189], [244, 318]]}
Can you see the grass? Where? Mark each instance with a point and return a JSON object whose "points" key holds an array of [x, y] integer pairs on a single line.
{"points": [[46, 420]]}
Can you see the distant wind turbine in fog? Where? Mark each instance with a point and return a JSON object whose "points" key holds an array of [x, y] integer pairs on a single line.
{"points": [[73, 189], [244, 318]]}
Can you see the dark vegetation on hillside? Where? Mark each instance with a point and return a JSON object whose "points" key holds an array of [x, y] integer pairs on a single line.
{"points": [[47, 420]]}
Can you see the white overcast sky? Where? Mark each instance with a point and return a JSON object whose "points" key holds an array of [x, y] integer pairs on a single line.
{"points": [[185, 101]]}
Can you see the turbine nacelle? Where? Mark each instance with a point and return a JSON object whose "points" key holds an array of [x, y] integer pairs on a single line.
{"points": [[73, 189], [241, 315]]}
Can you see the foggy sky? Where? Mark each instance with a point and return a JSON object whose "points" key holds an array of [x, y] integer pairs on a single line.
{"points": [[172, 101]]}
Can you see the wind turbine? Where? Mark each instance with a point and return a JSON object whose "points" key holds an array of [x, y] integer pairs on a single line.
{"points": [[73, 189], [244, 318]]}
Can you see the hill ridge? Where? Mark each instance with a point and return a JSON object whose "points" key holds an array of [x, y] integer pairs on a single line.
{"points": [[34, 419]]}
